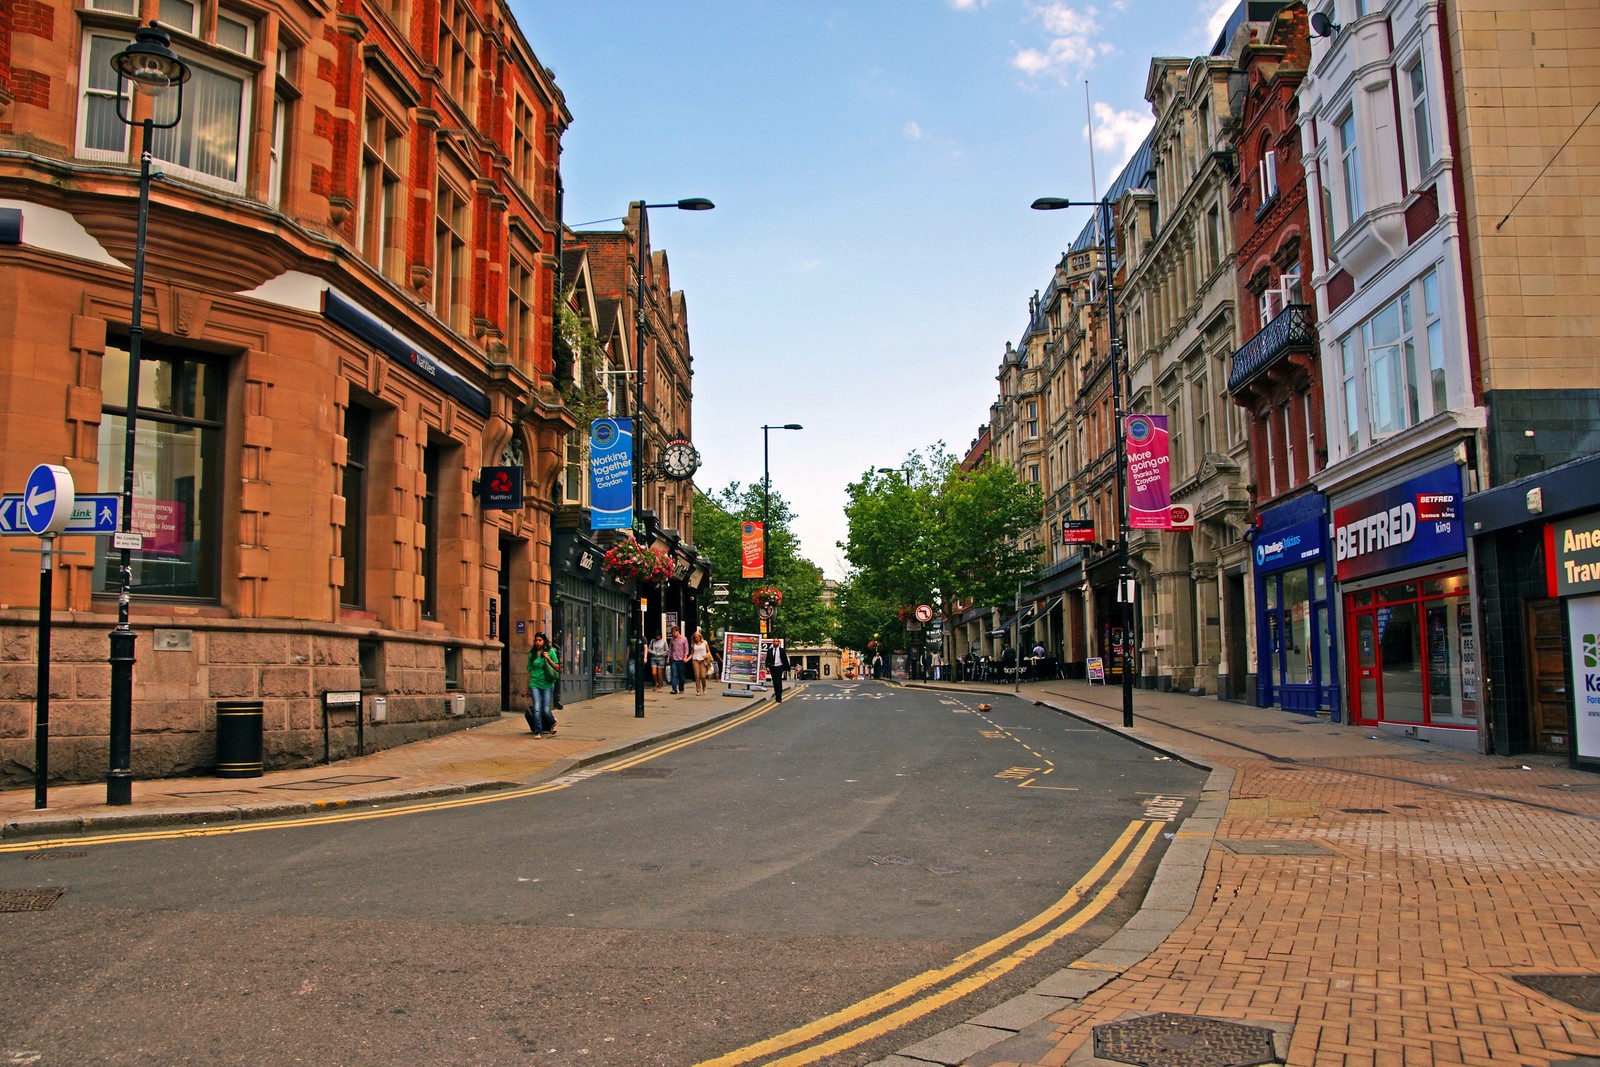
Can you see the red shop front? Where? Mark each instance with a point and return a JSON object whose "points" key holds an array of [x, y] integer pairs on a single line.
{"points": [[1410, 647]]}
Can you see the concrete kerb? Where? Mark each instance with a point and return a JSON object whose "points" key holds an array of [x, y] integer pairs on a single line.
{"points": [[1168, 902], [47, 825]]}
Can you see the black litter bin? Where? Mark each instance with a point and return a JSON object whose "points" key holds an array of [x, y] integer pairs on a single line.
{"points": [[238, 739]]}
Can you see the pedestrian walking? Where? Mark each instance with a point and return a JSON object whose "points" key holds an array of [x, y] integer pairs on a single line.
{"points": [[544, 668], [680, 659], [658, 662], [700, 659], [777, 664]]}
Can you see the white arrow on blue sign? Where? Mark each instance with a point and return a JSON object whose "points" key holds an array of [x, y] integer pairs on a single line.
{"points": [[47, 501], [92, 513]]}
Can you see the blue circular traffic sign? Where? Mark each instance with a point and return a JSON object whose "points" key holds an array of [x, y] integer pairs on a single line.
{"points": [[47, 501]]}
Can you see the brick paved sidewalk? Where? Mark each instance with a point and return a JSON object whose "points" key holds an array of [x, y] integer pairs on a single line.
{"points": [[1368, 899]]}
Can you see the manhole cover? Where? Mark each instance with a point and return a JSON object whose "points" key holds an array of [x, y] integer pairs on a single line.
{"points": [[30, 899], [643, 772], [338, 779], [1582, 991], [1167, 1039]]}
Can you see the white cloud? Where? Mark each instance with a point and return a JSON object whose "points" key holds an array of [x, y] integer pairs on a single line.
{"points": [[1219, 17], [968, 5], [1073, 43], [808, 266], [913, 131], [1119, 132]]}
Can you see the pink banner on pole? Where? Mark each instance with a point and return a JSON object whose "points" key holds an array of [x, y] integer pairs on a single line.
{"points": [[1149, 473]]}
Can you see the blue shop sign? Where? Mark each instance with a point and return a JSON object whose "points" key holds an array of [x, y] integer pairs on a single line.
{"points": [[1295, 544], [1411, 523]]}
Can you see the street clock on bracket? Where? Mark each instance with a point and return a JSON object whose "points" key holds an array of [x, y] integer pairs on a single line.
{"points": [[679, 460]]}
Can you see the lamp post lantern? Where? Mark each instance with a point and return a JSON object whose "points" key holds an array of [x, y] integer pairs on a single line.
{"points": [[1124, 571], [766, 492], [151, 67], [641, 236]]}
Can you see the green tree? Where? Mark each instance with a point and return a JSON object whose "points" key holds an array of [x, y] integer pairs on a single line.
{"points": [[804, 617], [931, 533]]}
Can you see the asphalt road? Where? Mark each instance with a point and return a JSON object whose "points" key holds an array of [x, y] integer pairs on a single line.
{"points": [[667, 908]]}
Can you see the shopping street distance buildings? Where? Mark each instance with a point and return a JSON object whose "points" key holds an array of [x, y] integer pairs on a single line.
{"points": [[358, 295], [1356, 264]]}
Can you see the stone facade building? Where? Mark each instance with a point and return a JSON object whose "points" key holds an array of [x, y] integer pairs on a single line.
{"points": [[348, 314]]}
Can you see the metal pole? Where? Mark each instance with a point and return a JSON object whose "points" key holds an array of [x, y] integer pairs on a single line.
{"points": [[119, 777], [1124, 575], [640, 660], [766, 499], [41, 694]]}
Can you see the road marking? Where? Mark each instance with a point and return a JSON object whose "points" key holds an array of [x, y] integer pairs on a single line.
{"points": [[1125, 854], [344, 814]]}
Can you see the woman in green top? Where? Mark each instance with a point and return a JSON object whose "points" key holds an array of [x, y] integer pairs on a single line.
{"points": [[544, 667]]}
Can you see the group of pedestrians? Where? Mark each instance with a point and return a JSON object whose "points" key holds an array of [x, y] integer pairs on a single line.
{"points": [[676, 659]]}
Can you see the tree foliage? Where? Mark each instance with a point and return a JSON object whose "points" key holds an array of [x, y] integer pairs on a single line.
{"points": [[929, 532], [804, 617]]}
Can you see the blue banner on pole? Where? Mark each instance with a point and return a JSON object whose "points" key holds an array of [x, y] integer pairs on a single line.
{"points": [[611, 474]]}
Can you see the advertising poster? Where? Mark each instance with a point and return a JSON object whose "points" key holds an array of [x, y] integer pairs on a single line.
{"points": [[751, 551], [1149, 473], [1583, 621], [741, 659], [611, 474]]}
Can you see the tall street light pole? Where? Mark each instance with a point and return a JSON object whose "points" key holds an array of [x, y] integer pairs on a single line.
{"points": [[151, 67], [1124, 570], [766, 494], [640, 326]]}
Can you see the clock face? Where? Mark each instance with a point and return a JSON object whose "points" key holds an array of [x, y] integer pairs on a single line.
{"points": [[678, 460]]}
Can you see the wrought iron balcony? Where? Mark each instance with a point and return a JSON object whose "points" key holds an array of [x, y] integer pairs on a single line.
{"points": [[1291, 330]]}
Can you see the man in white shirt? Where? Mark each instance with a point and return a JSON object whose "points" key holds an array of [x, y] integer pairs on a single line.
{"points": [[777, 666]]}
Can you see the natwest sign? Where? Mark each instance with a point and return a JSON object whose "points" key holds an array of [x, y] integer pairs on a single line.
{"points": [[1411, 523]]}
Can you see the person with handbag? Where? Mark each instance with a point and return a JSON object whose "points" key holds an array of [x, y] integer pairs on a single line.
{"points": [[544, 669], [700, 657]]}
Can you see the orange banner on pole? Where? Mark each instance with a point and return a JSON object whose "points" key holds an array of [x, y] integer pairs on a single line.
{"points": [[751, 551]]}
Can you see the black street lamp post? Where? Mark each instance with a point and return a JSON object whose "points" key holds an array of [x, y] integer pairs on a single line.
{"points": [[151, 66], [636, 619], [1124, 571], [766, 493]]}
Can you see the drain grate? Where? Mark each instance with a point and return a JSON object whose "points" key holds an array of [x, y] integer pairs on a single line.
{"points": [[1365, 811], [889, 861], [30, 899], [1582, 991], [53, 855], [1167, 1039], [644, 772]]}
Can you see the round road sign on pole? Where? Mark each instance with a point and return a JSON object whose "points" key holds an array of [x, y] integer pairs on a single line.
{"points": [[47, 501], [924, 613]]}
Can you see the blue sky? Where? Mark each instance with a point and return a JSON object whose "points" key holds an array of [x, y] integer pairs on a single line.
{"points": [[872, 163]]}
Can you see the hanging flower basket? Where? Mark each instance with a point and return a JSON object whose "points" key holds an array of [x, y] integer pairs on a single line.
{"points": [[767, 596], [630, 561]]}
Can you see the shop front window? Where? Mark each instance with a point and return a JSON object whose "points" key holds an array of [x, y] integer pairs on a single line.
{"points": [[177, 473], [1415, 656]]}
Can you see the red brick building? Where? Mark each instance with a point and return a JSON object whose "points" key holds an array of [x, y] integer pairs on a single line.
{"points": [[1276, 375], [347, 314]]}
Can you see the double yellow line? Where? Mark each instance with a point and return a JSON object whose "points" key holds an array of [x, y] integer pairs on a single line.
{"points": [[346, 814], [927, 992]]}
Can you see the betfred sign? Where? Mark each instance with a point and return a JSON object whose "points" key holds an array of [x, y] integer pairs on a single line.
{"points": [[1415, 522]]}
